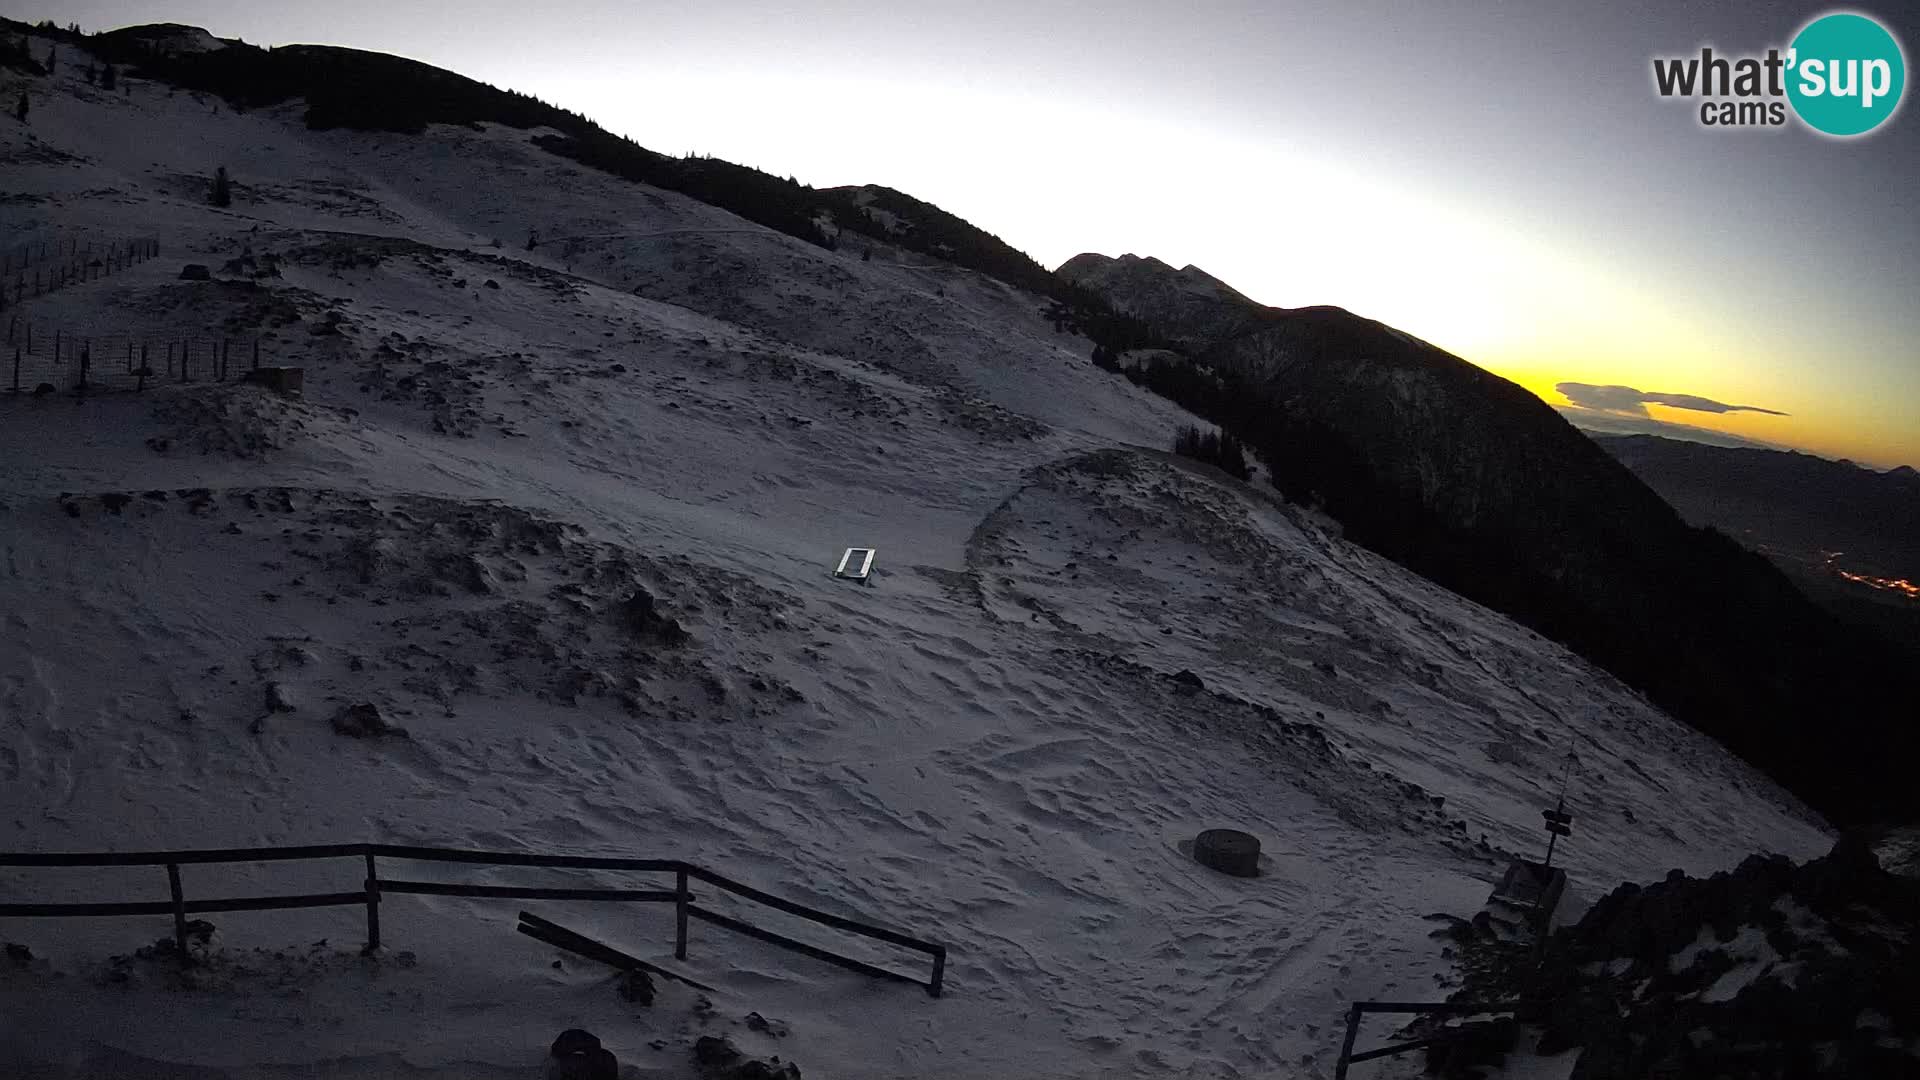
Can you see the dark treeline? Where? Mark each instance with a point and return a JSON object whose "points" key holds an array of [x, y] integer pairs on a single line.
{"points": [[1214, 448], [16, 56]]}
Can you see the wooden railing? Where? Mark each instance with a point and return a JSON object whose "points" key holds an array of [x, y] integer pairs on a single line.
{"points": [[374, 886], [1361, 1008]]}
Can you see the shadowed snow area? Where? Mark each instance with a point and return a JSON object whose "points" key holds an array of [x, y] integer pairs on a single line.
{"points": [[517, 476]]}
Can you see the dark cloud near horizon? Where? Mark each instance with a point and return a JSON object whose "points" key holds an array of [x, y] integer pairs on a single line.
{"points": [[1628, 401]]}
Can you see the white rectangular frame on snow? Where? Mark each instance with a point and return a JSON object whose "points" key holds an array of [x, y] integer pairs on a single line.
{"points": [[855, 565]]}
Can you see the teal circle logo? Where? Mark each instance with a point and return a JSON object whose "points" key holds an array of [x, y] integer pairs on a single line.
{"points": [[1846, 74]]}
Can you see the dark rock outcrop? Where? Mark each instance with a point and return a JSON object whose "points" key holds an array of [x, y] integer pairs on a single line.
{"points": [[1770, 970], [362, 720], [641, 615], [716, 1058], [578, 1055]]}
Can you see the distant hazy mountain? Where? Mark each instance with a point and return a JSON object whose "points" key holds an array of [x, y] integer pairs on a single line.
{"points": [[1482, 486], [1795, 502], [1845, 532]]}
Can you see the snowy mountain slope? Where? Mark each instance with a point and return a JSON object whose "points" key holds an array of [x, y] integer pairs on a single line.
{"points": [[1471, 480], [985, 747]]}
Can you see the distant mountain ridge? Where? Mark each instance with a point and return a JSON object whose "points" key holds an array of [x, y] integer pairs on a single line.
{"points": [[1847, 533], [1477, 483], [1191, 306], [1788, 499]]}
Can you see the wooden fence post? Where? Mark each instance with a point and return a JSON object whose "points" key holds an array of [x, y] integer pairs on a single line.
{"points": [[373, 908], [680, 916], [179, 912], [1346, 1048]]}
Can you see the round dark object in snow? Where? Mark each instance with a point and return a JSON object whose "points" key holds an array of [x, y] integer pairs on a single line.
{"points": [[1229, 851]]}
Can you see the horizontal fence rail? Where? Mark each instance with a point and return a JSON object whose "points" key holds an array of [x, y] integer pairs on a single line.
{"points": [[1359, 1009], [373, 887]]}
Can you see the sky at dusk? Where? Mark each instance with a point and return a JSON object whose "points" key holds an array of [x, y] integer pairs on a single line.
{"points": [[1499, 179]]}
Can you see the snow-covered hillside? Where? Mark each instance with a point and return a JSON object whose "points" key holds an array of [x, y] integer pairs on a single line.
{"points": [[499, 449]]}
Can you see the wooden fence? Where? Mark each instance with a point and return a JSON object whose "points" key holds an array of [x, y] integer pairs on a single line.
{"points": [[373, 887], [37, 269], [83, 360]]}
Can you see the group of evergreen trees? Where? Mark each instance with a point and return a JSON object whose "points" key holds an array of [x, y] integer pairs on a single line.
{"points": [[14, 56], [1215, 448]]}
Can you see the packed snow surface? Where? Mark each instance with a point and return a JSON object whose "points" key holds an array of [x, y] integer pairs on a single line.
{"points": [[502, 449]]}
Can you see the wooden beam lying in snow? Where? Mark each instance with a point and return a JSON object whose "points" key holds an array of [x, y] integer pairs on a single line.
{"points": [[560, 937]]}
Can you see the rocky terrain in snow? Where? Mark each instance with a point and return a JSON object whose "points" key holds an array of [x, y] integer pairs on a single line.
{"points": [[541, 561], [1771, 969]]}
